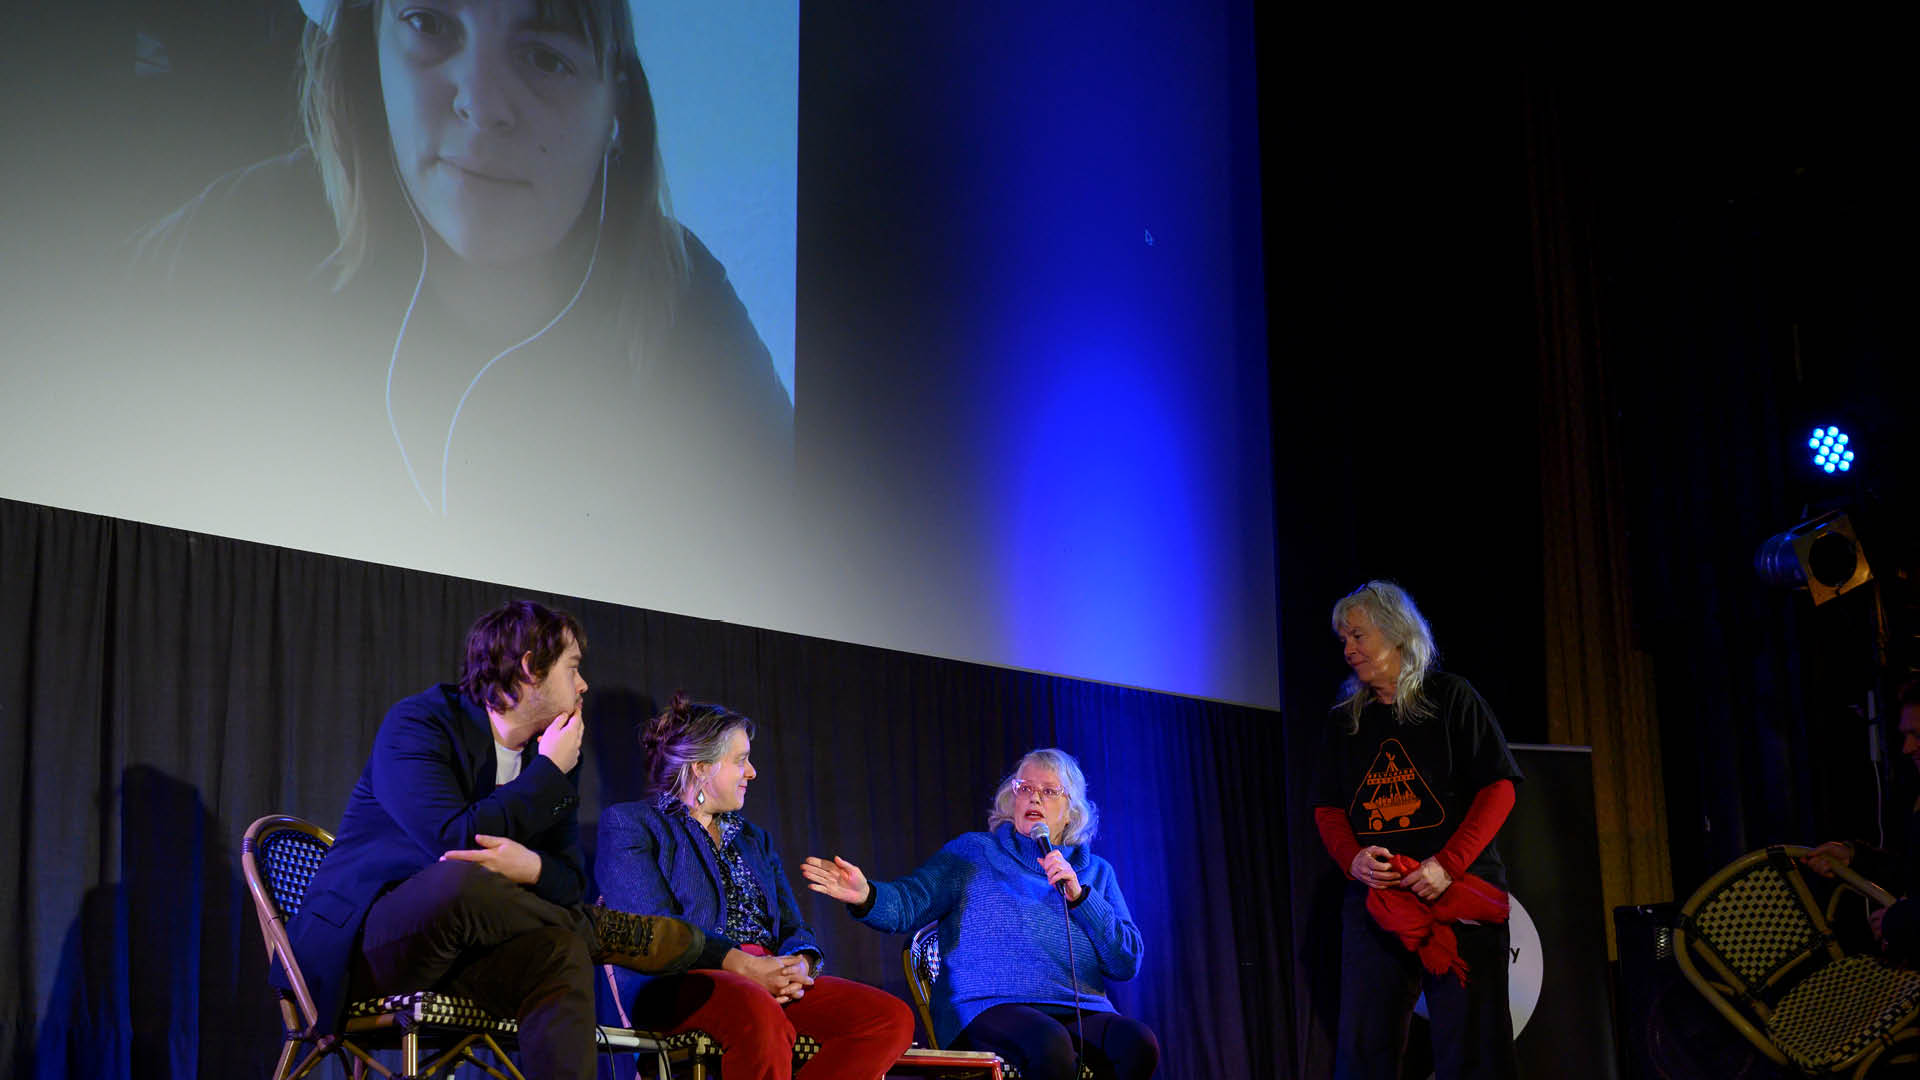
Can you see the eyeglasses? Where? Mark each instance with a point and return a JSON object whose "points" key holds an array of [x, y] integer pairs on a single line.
{"points": [[1024, 790]]}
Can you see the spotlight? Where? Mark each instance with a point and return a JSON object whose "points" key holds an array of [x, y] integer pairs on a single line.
{"points": [[1829, 450], [1822, 556]]}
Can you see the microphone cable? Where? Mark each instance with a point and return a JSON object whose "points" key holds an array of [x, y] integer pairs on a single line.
{"points": [[1043, 836], [1073, 976]]}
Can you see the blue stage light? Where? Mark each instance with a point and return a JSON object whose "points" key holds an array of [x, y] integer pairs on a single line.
{"points": [[1830, 450]]}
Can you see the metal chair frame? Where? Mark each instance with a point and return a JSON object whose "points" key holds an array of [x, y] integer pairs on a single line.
{"points": [[1729, 975], [912, 1062], [921, 960], [411, 1024]]}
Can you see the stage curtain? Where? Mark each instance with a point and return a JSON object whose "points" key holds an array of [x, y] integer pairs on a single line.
{"points": [[1598, 682], [159, 690]]}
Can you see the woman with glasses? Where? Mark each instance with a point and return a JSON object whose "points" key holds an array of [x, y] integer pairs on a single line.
{"points": [[689, 849], [1028, 941]]}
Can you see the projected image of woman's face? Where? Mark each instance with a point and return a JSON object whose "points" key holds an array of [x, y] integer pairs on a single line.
{"points": [[498, 122]]}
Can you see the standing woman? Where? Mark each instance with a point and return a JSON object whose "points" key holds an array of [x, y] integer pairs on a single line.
{"points": [[1414, 766], [1020, 976], [688, 849]]}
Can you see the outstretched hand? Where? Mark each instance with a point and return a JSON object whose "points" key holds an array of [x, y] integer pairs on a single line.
{"points": [[509, 858], [839, 879]]}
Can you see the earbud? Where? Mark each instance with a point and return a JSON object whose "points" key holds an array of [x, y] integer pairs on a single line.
{"points": [[613, 140]]}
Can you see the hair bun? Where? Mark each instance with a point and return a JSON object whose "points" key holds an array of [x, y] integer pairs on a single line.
{"points": [[660, 728]]}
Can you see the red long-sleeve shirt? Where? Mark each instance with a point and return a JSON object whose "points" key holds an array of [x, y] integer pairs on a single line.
{"points": [[1489, 810]]}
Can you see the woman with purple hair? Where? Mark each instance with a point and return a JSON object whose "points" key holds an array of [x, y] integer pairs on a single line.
{"points": [[689, 849]]}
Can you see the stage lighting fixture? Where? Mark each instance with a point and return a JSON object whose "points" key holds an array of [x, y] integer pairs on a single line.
{"points": [[1829, 450], [1821, 555]]}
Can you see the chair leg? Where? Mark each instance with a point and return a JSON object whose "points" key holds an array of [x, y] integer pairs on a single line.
{"points": [[362, 1063], [410, 1052], [316, 1055]]}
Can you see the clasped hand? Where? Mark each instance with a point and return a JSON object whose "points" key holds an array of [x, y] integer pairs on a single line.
{"points": [[1426, 881], [785, 977], [1371, 868]]}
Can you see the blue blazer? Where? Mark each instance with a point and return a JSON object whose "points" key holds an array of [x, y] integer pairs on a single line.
{"points": [[427, 789], [661, 863]]}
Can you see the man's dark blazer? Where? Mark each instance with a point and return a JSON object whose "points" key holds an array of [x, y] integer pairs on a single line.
{"points": [[428, 788], [655, 858]]}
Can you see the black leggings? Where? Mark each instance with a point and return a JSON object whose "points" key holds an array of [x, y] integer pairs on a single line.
{"points": [[1039, 1041]]}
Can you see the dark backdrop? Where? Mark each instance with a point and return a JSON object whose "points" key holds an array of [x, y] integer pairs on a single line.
{"points": [[1725, 252], [1741, 229], [161, 689]]}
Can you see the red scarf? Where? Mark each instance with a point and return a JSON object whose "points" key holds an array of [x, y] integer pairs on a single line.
{"points": [[1424, 928]]}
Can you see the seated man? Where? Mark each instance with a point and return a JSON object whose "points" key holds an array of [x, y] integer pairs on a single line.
{"points": [[1896, 927], [458, 864]]}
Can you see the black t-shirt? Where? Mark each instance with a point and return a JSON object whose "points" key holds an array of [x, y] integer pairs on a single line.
{"points": [[1405, 786]]}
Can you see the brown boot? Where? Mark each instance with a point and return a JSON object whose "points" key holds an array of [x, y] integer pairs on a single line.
{"points": [[649, 944]]}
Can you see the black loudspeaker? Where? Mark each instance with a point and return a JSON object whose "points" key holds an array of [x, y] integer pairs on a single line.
{"points": [[1668, 1031], [1552, 849]]}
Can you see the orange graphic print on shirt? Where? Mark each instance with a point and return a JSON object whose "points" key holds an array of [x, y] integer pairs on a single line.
{"points": [[1393, 797]]}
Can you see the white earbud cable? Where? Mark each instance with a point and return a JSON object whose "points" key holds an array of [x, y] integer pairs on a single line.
{"points": [[394, 361], [446, 452]]}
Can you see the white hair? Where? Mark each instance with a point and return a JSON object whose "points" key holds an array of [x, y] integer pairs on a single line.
{"points": [[1083, 816], [1393, 613]]}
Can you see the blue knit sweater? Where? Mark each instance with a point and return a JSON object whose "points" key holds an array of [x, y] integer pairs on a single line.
{"points": [[1002, 936]]}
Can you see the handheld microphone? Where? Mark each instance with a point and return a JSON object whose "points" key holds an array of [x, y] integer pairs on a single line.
{"points": [[1044, 837]]}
